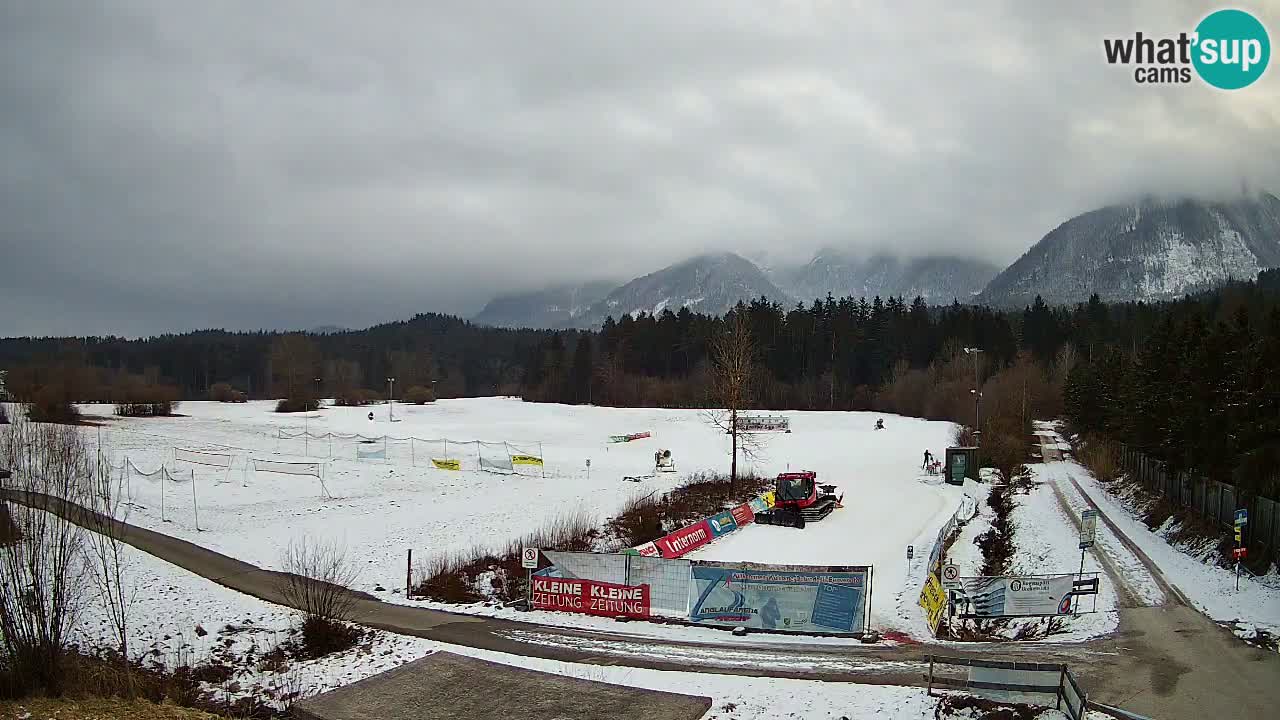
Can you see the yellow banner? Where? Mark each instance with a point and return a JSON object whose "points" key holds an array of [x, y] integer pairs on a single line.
{"points": [[934, 601], [768, 498], [526, 460], [446, 464]]}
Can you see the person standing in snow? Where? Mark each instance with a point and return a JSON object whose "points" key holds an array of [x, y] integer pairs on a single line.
{"points": [[928, 458], [880, 424]]}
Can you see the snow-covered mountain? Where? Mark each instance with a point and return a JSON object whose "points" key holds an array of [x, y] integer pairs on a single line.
{"points": [[709, 284], [938, 279], [1145, 251], [557, 307]]}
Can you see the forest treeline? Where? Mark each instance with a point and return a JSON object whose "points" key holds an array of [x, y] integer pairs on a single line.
{"points": [[1191, 382]]}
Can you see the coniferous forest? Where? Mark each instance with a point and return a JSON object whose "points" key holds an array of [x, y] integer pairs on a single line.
{"points": [[1192, 382]]}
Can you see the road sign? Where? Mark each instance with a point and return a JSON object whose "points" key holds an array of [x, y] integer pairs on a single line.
{"points": [[950, 577], [1239, 553], [529, 558], [1088, 528], [1242, 517], [911, 551]]}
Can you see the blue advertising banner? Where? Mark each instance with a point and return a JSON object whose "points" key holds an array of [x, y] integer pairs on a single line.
{"points": [[780, 597], [722, 523], [758, 505]]}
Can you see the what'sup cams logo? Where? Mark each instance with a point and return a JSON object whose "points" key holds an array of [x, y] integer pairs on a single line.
{"points": [[1228, 50]]}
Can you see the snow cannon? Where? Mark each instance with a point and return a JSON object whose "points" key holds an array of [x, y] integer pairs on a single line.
{"points": [[799, 499], [663, 461]]}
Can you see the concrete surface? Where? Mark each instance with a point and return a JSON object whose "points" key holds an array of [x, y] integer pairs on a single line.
{"points": [[444, 686]]}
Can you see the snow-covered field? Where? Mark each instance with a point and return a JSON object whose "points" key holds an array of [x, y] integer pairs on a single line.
{"points": [[380, 509]]}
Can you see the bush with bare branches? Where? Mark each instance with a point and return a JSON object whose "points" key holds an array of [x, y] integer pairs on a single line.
{"points": [[223, 392], [318, 578], [419, 395], [481, 573]]}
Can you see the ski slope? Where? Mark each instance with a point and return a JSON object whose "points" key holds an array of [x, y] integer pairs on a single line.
{"points": [[381, 509]]}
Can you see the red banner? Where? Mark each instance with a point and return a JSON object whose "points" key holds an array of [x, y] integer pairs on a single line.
{"points": [[591, 597], [743, 514], [685, 540], [648, 550]]}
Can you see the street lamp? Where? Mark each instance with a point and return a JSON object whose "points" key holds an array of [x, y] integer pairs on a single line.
{"points": [[977, 391], [306, 419], [391, 399]]}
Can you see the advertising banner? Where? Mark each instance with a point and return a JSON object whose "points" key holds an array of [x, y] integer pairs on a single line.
{"points": [[628, 437], [743, 514], [590, 597], [647, 550], [1017, 596], [779, 597], [758, 505], [934, 601], [685, 540], [722, 523], [446, 464], [768, 499], [526, 460]]}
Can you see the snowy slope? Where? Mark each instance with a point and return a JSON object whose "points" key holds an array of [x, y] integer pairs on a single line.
{"points": [[710, 284], [1145, 251], [937, 279]]}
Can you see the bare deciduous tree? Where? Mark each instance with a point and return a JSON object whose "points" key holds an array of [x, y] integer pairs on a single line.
{"points": [[319, 578], [732, 387], [106, 554], [42, 575], [293, 361]]}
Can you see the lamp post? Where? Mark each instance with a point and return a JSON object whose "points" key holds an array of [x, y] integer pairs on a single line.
{"points": [[977, 401], [306, 420], [391, 399]]}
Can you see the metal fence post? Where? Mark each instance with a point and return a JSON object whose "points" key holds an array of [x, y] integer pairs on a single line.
{"points": [[929, 691]]}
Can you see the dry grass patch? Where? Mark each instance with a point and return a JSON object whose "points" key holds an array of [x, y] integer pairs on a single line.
{"points": [[97, 709]]}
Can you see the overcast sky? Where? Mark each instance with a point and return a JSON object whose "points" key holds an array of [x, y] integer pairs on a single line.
{"points": [[171, 165]]}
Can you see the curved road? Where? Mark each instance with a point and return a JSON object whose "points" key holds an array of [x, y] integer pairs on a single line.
{"points": [[1165, 662]]}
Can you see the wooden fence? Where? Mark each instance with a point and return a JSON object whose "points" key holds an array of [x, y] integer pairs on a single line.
{"points": [[1214, 501]]}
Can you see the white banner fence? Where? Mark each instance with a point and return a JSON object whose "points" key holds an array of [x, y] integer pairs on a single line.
{"points": [[505, 457]]}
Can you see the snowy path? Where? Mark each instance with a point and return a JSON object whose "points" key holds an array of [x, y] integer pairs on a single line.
{"points": [[1153, 568]]}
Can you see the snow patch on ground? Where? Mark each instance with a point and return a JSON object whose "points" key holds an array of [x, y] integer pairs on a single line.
{"points": [[170, 603]]}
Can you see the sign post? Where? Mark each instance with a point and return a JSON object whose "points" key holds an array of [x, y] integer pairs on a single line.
{"points": [[1242, 518], [528, 561], [588, 469], [1088, 531], [911, 551], [950, 577]]}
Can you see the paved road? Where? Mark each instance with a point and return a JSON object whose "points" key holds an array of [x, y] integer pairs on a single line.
{"points": [[1170, 662]]}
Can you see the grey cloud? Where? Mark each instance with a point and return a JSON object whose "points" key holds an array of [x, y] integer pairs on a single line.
{"points": [[173, 165]]}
